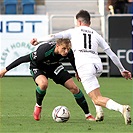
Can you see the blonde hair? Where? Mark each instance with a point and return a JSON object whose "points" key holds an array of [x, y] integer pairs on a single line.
{"points": [[65, 41]]}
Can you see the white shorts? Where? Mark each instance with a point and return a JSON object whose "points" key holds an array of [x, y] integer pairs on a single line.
{"points": [[88, 74]]}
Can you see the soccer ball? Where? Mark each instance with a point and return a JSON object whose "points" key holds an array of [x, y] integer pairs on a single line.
{"points": [[61, 114]]}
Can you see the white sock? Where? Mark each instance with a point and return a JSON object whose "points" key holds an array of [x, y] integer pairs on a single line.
{"points": [[86, 115], [98, 108], [38, 105], [112, 105]]}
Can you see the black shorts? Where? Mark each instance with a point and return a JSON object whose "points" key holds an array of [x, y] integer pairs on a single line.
{"points": [[57, 73]]}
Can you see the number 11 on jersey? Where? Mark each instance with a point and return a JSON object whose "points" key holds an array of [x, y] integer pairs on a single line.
{"points": [[85, 40]]}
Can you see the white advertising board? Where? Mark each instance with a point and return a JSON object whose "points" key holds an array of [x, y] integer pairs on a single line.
{"points": [[16, 31]]}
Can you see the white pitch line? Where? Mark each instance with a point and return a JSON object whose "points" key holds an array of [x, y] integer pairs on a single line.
{"points": [[15, 115]]}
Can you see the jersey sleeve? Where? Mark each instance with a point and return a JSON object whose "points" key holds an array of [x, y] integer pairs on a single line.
{"points": [[63, 34], [101, 42], [18, 61], [115, 59], [39, 54], [104, 45]]}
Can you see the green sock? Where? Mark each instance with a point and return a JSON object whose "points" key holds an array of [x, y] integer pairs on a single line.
{"points": [[40, 95], [81, 101]]}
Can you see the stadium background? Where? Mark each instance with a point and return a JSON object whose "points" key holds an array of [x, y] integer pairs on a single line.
{"points": [[38, 18]]}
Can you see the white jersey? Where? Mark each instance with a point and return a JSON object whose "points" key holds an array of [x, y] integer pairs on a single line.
{"points": [[84, 37], [85, 42]]}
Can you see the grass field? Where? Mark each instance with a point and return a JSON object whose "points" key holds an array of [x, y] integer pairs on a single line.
{"points": [[17, 100]]}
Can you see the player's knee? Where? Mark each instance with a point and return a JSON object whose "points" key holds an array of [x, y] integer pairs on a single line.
{"points": [[42, 82], [43, 85], [74, 90]]}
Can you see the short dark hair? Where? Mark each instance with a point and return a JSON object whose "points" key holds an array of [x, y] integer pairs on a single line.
{"points": [[84, 16]]}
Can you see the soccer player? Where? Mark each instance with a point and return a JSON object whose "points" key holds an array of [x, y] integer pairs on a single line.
{"points": [[45, 63], [85, 42]]}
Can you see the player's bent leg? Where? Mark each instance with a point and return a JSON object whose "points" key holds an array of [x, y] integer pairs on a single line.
{"points": [[38, 107], [80, 99], [111, 105], [40, 93], [91, 89], [98, 100]]}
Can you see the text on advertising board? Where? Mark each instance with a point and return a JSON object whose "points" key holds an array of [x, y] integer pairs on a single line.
{"points": [[19, 26], [125, 54]]}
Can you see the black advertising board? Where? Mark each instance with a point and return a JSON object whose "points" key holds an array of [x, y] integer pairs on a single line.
{"points": [[120, 31]]}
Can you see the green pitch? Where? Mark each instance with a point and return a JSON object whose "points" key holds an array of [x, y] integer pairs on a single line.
{"points": [[17, 100]]}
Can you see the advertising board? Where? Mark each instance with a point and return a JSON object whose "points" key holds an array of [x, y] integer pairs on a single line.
{"points": [[16, 31]]}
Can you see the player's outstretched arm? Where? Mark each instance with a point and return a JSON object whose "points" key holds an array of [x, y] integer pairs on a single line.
{"points": [[48, 38], [3, 72], [15, 63], [51, 37], [126, 74]]}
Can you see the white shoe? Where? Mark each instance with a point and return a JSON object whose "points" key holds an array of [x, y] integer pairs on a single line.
{"points": [[126, 114], [99, 116]]}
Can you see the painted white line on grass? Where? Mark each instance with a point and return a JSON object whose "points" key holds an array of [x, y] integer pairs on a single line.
{"points": [[16, 115]]}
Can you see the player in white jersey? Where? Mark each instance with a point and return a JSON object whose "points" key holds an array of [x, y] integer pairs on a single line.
{"points": [[85, 42]]}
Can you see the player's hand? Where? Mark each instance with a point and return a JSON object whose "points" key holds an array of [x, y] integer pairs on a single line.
{"points": [[126, 74], [77, 76], [2, 73], [34, 41]]}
